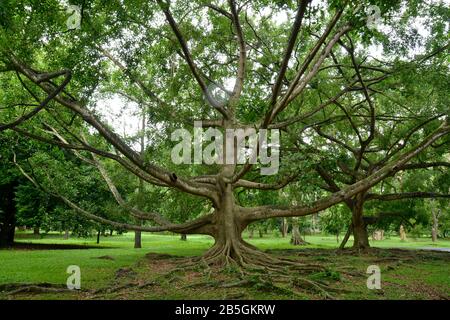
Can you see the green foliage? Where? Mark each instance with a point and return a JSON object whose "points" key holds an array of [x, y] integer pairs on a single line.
{"points": [[415, 91], [335, 220]]}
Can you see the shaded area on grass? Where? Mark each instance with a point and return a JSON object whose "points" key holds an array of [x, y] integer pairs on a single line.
{"points": [[50, 246]]}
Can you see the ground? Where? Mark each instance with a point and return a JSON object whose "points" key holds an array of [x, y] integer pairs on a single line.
{"points": [[114, 270]]}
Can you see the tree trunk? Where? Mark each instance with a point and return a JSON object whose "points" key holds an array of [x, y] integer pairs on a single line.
{"points": [[66, 234], [250, 233], [137, 239], [284, 228], [183, 237], [111, 232], [8, 206], [360, 235], [314, 223], [402, 233], [98, 237], [346, 237], [378, 235], [226, 229], [138, 234], [36, 231], [434, 228], [337, 237], [296, 238]]}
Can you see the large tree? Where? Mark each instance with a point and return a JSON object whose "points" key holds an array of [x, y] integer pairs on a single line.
{"points": [[399, 118], [280, 58]]}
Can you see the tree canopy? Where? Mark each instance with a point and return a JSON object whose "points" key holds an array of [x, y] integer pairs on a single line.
{"points": [[360, 105]]}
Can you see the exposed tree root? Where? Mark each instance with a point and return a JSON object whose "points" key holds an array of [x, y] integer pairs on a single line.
{"points": [[115, 288], [15, 288], [246, 258], [256, 269], [298, 241], [118, 288]]}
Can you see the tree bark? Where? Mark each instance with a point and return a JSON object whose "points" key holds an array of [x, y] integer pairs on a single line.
{"points": [[346, 237], [226, 228], [36, 231], [138, 234], [8, 206], [402, 233], [137, 239], [435, 226], [183, 237], [98, 236], [360, 235], [378, 235], [284, 228], [296, 238]]}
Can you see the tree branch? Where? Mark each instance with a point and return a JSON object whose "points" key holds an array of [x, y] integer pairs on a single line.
{"points": [[406, 195], [264, 212], [188, 57]]}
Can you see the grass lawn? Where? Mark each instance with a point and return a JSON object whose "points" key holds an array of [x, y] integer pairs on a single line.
{"points": [[414, 274]]}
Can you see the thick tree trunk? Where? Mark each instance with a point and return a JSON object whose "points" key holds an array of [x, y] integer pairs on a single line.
{"points": [[360, 235], [7, 229], [378, 235], [183, 237], [8, 223], [226, 229], [296, 238], [137, 239], [36, 231]]}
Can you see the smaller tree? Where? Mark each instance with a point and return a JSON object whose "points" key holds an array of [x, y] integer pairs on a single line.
{"points": [[335, 220]]}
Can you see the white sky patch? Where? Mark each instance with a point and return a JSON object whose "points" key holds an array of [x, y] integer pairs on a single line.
{"points": [[121, 114]]}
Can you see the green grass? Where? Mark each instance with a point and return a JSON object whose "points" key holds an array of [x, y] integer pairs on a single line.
{"points": [[50, 265], [37, 266]]}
